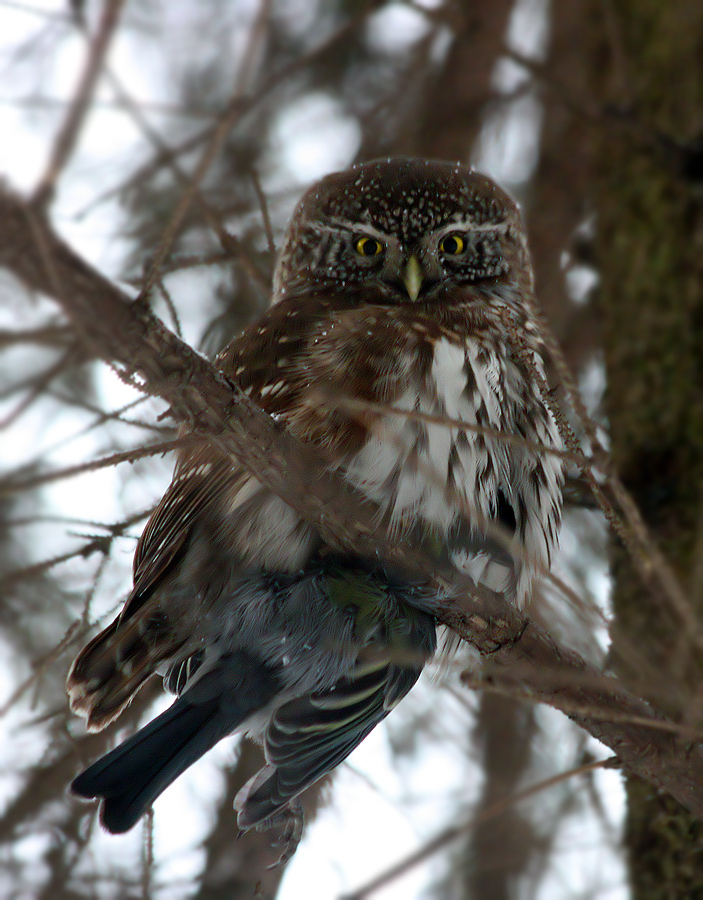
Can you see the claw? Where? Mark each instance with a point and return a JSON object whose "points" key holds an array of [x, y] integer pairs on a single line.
{"points": [[289, 824]]}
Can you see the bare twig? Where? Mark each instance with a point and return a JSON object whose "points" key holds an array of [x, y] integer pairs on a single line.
{"points": [[40, 666], [623, 515], [351, 404], [147, 854], [68, 135], [264, 207], [48, 335], [14, 486], [456, 831], [38, 384], [242, 106]]}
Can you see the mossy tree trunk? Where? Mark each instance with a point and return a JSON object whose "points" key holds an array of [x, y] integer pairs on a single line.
{"points": [[647, 71]]}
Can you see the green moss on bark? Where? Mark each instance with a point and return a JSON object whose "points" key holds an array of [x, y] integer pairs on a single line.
{"points": [[650, 234]]}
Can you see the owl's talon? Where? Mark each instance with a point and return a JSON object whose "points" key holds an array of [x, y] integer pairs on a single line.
{"points": [[290, 821]]}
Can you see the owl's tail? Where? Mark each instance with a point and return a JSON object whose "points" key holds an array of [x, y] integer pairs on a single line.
{"points": [[133, 775], [113, 666]]}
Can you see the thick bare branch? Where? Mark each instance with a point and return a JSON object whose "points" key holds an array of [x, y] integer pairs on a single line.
{"points": [[128, 335]]}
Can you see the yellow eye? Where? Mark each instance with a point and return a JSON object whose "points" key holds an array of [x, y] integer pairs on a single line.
{"points": [[452, 244], [367, 246]]}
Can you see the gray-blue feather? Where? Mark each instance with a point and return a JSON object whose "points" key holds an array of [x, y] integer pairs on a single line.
{"points": [[309, 663]]}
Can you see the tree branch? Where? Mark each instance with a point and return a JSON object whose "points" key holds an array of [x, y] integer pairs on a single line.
{"points": [[126, 334]]}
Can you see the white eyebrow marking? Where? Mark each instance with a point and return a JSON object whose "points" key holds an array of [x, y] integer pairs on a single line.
{"points": [[360, 228], [468, 224]]}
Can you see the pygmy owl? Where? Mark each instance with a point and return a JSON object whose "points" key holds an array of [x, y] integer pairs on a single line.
{"points": [[400, 342]]}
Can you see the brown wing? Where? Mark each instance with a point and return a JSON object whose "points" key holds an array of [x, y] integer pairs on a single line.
{"points": [[294, 361], [200, 479], [152, 626], [112, 667]]}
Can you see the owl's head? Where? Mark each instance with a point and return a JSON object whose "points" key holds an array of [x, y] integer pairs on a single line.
{"points": [[404, 230]]}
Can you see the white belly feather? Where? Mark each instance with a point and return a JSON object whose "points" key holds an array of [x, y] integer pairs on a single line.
{"points": [[439, 472], [406, 461]]}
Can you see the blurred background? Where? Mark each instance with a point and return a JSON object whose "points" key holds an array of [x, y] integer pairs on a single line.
{"points": [[590, 112]]}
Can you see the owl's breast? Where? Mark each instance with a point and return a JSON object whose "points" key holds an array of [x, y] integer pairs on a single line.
{"points": [[427, 423], [423, 457], [444, 457]]}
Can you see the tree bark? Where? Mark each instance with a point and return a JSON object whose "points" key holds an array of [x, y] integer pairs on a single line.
{"points": [[647, 75]]}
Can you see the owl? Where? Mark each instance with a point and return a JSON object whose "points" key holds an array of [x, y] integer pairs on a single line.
{"points": [[401, 345]]}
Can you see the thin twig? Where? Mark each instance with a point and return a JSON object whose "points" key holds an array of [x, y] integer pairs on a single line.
{"points": [[211, 151], [353, 404], [148, 854], [252, 50], [40, 666], [245, 105], [264, 207], [456, 831], [9, 486], [633, 530], [38, 384], [168, 299], [68, 135], [49, 335]]}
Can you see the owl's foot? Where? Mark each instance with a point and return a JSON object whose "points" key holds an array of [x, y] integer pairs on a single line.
{"points": [[288, 826]]}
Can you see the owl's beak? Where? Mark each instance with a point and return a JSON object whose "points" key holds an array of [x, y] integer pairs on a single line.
{"points": [[413, 277]]}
